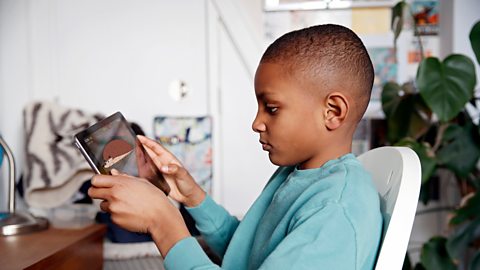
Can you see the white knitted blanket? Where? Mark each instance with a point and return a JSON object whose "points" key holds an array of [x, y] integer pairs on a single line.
{"points": [[54, 169]]}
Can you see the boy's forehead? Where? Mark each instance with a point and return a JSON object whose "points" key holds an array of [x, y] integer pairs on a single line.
{"points": [[267, 83], [268, 73], [273, 79], [268, 68]]}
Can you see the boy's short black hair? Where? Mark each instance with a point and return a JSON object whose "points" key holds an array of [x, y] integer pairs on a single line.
{"points": [[326, 49]]}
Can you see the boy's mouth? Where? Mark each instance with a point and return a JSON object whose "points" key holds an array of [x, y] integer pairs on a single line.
{"points": [[265, 146]]}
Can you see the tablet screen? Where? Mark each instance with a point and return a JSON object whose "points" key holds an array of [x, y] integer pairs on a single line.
{"points": [[112, 144]]}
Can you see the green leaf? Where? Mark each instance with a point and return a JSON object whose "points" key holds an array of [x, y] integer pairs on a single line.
{"points": [[419, 266], [474, 181], [406, 112], [459, 152], [425, 154], [478, 129], [429, 190], [446, 86], [471, 210], [434, 255], [475, 40], [397, 20], [461, 238], [390, 98], [475, 263]]}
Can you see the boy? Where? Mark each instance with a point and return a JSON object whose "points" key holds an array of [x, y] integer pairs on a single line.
{"points": [[319, 210]]}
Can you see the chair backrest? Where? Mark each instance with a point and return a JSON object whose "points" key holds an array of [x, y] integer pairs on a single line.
{"points": [[396, 172]]}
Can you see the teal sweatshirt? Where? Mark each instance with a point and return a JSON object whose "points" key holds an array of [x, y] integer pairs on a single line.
{"points": [[323, 218]]}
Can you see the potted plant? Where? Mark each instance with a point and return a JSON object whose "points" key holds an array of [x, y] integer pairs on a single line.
{"points": [[429, 115]]}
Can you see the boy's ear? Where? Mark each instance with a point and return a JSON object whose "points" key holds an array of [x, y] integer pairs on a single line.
{"points": [[336, 110]]}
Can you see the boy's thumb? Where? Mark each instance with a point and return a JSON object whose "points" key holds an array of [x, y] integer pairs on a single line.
{"points": [[170, 169]]}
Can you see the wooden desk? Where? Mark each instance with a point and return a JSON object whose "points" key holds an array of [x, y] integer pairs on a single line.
{"points": [[54, 249]]}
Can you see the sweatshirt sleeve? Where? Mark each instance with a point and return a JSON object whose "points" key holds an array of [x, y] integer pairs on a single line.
{"points": [[188, 255], [214, 223], [321, 239]]}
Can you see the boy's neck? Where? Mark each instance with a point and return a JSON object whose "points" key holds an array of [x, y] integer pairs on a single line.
{"points": [[334, 151]]}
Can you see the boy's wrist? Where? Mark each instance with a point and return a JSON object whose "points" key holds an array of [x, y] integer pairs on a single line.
{"points": [[195, 198], [166, 237]]}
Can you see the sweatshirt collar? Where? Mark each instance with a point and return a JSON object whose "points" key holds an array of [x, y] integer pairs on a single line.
{"points": [[325, 166]]}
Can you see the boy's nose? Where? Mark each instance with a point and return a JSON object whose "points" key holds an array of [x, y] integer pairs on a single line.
{"points": [[258, 125]]}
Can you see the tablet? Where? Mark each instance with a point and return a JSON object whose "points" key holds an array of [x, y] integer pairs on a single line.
{"points": [[112, 144]]}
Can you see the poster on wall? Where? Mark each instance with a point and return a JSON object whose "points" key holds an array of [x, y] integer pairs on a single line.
{"points": [[190, 140], [425, 16], [431, 47], [385, 66], [371, 21]]}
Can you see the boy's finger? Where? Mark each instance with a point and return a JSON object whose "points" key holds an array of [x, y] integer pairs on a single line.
{"points": [[153, 156], [103, 181], [159, 161], [153, 145], [116, 172], [99, 193], [105, 205], [174, 169]]}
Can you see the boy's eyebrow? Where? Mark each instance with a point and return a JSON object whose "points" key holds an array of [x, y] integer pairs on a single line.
{"points": [[263, 94]]}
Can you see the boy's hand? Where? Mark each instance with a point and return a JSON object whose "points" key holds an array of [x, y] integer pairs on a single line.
{"points": [[137, 205], [183, 188]]}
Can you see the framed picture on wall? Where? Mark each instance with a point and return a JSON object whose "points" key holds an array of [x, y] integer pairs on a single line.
{"points": [[426, 17], [385, 67]]}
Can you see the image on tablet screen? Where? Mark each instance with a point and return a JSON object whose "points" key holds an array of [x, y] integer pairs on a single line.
{"points": [[113, 147]]}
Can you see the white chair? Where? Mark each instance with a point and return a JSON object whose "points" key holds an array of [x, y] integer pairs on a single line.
{"points": [[397, 175]]}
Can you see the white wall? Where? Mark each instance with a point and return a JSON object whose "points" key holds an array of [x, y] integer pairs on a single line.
{"points": [[120, 55], [242, 167], [104, 56], [246, 167], [456, 21], [14, 78], [253, 17], [465, 14], [100, 56]]}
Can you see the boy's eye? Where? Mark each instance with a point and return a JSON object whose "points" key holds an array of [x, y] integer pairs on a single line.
{"points": [[271, 109]]}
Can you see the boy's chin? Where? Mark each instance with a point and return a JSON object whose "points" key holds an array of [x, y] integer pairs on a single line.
{"points": [[278, 161]]}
